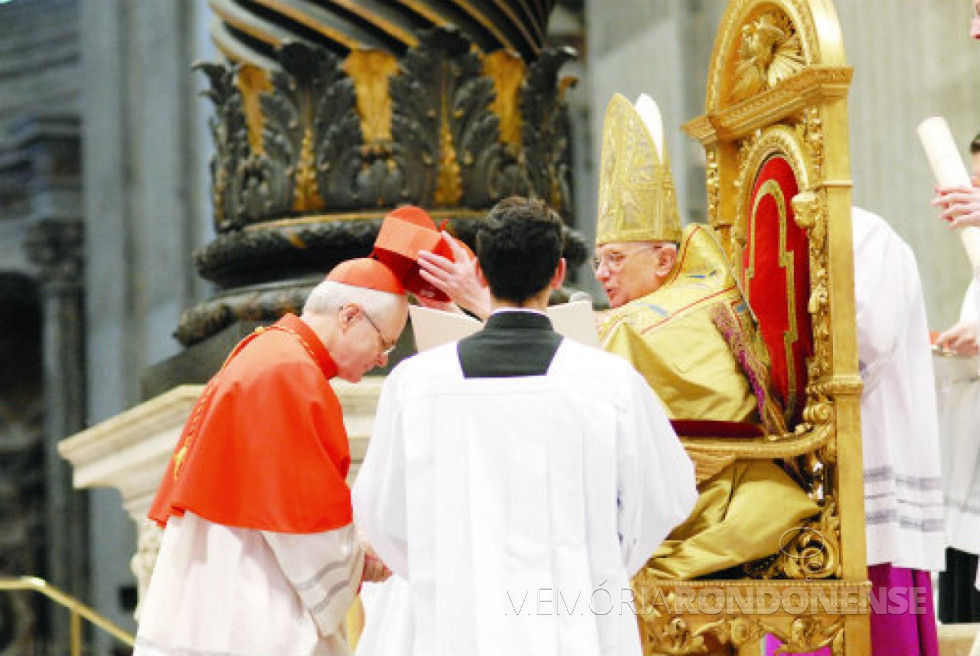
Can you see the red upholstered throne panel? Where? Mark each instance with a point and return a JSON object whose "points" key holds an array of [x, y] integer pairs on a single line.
{"points": [[776, 279]]}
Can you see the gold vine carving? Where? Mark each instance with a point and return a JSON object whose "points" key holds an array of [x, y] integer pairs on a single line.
{"points": [[810, 211], [811, 551], [677, 636]]}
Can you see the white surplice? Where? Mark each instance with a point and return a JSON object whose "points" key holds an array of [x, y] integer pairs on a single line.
{"points": [[517, 509], [902, 483], [218, 590], [959, 427]]}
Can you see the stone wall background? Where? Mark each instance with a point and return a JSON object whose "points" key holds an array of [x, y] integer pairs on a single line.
{"points": [[103, 198], [145, 158]]}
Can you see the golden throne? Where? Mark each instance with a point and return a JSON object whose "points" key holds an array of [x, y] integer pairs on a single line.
{"points": [[775, 134]]}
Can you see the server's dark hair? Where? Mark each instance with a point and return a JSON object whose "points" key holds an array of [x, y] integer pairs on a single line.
{"points": [[519, 245]]}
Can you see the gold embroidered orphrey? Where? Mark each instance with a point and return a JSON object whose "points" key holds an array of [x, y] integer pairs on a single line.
{"points": [[777, 87]]}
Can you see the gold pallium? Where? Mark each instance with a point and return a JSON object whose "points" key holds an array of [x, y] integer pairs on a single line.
{"points": [[507, 70], [770, 51], [370, 70], [636, 190]]}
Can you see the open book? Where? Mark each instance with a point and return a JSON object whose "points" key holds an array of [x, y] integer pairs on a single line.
{"points": [[433, 327]]}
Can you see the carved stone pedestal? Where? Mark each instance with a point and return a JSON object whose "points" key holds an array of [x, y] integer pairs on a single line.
{"points": [[130, 452]]}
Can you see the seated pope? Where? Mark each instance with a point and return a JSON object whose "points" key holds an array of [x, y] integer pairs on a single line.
{"points": [[676, 313]]}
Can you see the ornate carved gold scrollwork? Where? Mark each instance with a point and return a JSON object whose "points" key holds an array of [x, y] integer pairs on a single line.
{"points": [[674, 638], [811, 132], [810, 551], [808, 634], [802, 634], [713, 183], [508, 72], [370, 71], [810, 210]]}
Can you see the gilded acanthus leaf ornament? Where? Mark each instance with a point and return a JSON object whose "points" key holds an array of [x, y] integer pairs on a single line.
{"points": [[770, 51], [288, 135], [676, 637], [799, 635], [713, 184], [810, 551], [244, 184], [311, 151], [812, 132], [545, 129], [735, 632], [451, 133], [810, 212], [340, 163], [807, 635]]}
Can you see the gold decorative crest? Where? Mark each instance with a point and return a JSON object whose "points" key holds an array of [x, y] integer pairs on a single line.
{"points": [[770, 51]]}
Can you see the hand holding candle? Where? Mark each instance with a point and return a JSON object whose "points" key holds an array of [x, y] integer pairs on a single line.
{"points": [[957, 196]]}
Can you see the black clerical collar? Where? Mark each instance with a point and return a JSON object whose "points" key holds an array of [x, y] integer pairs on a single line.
{"points": [[519, 318]]}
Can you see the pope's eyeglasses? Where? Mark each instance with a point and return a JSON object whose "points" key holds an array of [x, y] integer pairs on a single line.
{"points": [[614, 260]]}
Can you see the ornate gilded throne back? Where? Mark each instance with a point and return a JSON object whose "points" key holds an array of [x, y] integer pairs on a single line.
{"points": [[778, 181]]}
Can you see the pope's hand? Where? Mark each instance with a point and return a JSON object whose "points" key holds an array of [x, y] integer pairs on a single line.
{"points": [[457, 279], [960, 339], [960, 205], [375, 571]]}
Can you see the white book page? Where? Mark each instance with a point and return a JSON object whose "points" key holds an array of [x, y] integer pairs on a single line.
{"points": [[434, 327], [576, 321]]}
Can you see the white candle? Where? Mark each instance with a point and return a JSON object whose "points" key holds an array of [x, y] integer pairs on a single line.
{"points": [[948, 168]]}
